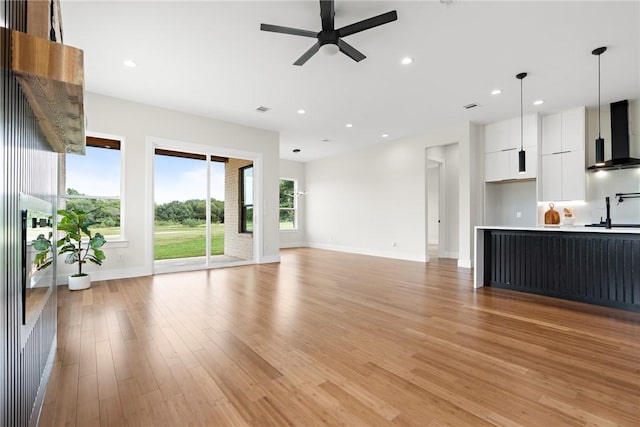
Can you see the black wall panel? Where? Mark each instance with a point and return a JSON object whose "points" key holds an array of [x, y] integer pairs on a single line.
{"points": [[27, 165], [600, 268]]}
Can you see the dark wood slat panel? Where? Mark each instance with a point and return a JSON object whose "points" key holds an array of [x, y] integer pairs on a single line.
{"points": [[597, 268], [28, 166]]}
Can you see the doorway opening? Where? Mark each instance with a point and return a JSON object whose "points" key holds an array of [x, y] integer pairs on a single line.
{"points": [[442, 201], [435, 217]]}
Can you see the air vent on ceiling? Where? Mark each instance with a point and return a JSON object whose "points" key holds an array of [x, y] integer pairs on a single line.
{"points": [[470, 106], [262, 109]]}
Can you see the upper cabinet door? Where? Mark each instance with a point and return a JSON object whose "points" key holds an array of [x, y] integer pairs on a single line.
{"points": [[496, 136], [551, 134], [529, 131], [573, 129], [496, 166]]}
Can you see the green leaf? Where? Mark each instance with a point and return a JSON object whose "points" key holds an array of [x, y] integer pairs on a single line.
{"points": [[94, 260], [98, 254], [71, 258], [45, 264], [97, 241], [41, 243]]}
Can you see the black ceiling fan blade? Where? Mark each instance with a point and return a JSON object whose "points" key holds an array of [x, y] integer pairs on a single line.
{"points": [[368, 23], [308, 54], [350, 51], [288, 30], [327, 13]]}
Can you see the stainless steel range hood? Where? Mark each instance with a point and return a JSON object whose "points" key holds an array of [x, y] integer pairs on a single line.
{"points": [[620, 154]]}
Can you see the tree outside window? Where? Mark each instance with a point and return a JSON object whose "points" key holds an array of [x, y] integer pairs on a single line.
{"points": [[92, 184], [288, 204]]}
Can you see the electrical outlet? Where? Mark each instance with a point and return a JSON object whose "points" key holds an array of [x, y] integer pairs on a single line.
{"points": [[518, 214], [394, 244]]}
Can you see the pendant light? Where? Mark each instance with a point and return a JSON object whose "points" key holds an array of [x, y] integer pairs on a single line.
{"points": [[599, 141], [522, 162]]}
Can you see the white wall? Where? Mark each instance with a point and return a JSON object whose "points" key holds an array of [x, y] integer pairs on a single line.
{"points": [[295, 238], [504, 200], [451, 221], [433, 203], [367, 200], [136, 123]]}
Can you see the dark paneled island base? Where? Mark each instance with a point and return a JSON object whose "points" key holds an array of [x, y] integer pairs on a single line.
{"points": [[597, 267]]}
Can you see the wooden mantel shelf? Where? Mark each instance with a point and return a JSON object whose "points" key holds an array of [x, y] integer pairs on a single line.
{"points": [[52, 78]]}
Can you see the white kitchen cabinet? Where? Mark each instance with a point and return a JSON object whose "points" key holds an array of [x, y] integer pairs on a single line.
{"points": [[496, 166], [573, 175], [502, 144], [551, 171], [563, 131], [496, 137], [563, 157], [529, 134], [573, 129], [531, 162], [551, 134]]}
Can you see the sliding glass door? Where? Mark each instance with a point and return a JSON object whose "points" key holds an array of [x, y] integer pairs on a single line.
{"points": [[188, 207]]}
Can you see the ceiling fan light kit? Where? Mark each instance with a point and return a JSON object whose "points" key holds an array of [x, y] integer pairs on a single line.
{"points": [[329, 35]]}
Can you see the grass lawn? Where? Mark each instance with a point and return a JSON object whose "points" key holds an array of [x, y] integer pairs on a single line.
{"points": [[178, 241]]}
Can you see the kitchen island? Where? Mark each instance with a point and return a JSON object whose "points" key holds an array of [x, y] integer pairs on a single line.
{"points": [[594, 265]]}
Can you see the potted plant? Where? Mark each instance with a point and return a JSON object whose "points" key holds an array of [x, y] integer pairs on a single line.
{"points": [[75, 224]]}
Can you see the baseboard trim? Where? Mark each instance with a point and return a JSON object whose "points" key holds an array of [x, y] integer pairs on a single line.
{"points": [[269, 259], [361, 251], [293, 245], [97, 275], [465, 263]]}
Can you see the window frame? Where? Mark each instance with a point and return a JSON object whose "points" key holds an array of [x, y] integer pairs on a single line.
{"points": [[242, 226], [294, 208], [107, 142]]}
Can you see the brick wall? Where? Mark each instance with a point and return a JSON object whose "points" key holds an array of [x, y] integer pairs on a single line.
{"points": [[236, 244]]}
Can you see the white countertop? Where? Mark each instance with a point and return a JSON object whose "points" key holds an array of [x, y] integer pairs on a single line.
{"points": [[570, 228]]}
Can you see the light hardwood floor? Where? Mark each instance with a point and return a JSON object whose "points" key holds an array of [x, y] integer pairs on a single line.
{"points": [[328, 338]]}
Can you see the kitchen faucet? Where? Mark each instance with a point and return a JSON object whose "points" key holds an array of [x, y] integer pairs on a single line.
{"points": [[622, 196]]}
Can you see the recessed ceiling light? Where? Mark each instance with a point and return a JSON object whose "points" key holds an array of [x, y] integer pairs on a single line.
{"points": [[538, 102], [296, 150], [406, 60], [349, 125], [496, 92], [129, 63], [301, 111], [385, 135]]}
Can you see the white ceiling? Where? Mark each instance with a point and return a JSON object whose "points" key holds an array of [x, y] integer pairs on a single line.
{"points": [[210, 58]]}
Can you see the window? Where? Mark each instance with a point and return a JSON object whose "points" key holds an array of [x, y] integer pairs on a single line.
{"points": [[246, 199], [92, 183], [288, 204]]}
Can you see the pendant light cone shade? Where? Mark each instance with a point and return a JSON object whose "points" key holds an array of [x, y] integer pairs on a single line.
{"points": [[522, 160], [599, 141]]}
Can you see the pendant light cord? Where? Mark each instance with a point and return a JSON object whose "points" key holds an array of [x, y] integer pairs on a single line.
{"points": [[521, 117], [599, 120]]}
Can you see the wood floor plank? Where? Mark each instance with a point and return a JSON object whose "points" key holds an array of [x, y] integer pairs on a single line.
{"points": [[335, 339]]}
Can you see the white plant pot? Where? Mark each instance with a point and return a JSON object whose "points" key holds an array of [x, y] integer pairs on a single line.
{"points": [[77, 283]]}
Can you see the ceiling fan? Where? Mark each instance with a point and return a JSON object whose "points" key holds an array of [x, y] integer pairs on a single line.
{"points": [[329, 35]]}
